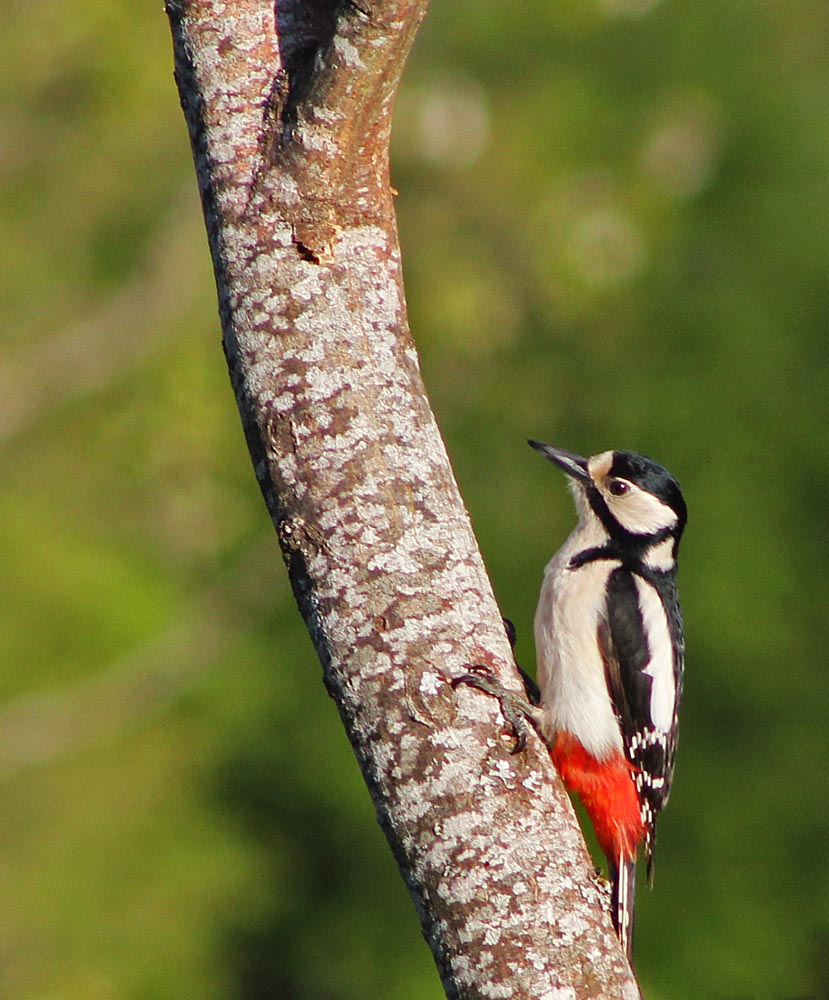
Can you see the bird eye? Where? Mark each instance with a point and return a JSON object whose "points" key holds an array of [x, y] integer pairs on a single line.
{"points": [[618, 487]]}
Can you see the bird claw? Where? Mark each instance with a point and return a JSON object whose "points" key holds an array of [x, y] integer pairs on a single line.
{"points": [[517, 711]]}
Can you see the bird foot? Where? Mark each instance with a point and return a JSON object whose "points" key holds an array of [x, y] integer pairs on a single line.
{"points": [[517, 711]]}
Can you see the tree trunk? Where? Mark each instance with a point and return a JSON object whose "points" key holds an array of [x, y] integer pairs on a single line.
{"points": [[289, 111]]}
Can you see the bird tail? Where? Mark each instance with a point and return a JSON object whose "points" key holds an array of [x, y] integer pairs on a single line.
{"points": [[623, 900]]}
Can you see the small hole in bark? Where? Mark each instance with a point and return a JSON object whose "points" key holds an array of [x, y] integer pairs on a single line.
{"points": [[306, 253]]}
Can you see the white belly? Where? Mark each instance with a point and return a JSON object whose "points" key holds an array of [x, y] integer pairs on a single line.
{"points": [[574, 695]]}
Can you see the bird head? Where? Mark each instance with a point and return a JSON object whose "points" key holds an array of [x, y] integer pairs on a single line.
{"points": [[631, 495]]}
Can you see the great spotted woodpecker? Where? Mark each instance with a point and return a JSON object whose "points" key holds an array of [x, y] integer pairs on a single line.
{"points": [[610, 654]]}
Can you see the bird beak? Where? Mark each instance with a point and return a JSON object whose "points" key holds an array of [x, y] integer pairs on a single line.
{"points": [[574, 465]]}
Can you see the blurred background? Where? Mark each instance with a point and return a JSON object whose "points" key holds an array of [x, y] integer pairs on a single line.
{"points": [[614, 225]]}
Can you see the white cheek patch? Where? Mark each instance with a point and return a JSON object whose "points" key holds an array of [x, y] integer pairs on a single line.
{"points": [[641, 513], [660, 667]]}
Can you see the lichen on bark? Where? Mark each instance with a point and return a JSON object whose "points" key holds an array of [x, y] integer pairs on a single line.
{"points": [[289, 112]]}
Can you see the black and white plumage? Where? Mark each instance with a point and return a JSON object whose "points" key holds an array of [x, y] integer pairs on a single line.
{"points": [[610, 648]]}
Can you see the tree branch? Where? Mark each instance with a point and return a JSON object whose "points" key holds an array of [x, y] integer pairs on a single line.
{"points": [[289, 112]]}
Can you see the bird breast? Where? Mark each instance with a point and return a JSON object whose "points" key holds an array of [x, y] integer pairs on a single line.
{"points": [[571, 676]]}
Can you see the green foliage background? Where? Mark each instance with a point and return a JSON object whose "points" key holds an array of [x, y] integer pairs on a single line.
{"points": [[613, 215]]}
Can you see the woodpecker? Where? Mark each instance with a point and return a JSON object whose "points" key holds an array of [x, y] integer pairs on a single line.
{"points": [[610, 654]]}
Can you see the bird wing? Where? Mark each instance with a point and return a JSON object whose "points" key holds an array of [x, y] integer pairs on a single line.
{"points": [[643, 670]]}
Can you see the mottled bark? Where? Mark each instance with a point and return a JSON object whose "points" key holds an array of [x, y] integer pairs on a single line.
{"points": [[289, 111]]}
